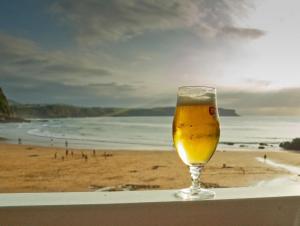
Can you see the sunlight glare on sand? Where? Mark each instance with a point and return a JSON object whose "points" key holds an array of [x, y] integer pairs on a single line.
{"points": [[290, 168], [288, 180]]}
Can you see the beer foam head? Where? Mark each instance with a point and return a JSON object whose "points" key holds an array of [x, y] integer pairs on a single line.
{"points": [[190, 95]]}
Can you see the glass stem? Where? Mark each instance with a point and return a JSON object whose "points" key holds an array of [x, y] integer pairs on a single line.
{"points": [[195, 174]]}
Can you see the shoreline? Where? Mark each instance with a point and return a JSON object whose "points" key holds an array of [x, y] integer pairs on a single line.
{"points": [[74, 143], [30, 168], [46, 143]]}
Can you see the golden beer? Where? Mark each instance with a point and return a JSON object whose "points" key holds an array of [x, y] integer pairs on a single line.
{"points": [[196, 132]]}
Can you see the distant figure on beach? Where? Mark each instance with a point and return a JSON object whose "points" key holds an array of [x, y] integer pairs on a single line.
{"points": [[106, 155], [86, 157], [66, 144], [19, 141], [265, 157], [72, 153], [55, 155], [94, 153]]}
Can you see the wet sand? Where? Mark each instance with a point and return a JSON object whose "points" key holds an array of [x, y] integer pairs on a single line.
{"points": [[28, 168]]}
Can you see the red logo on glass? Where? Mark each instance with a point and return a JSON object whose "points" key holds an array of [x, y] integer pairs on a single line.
{"points": [[212, 111]]}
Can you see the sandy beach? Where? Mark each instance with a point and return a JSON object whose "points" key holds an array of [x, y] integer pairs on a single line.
{"points": [[28, 168]]}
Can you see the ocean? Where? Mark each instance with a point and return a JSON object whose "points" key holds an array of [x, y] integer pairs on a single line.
{"points": [[147, 133]]}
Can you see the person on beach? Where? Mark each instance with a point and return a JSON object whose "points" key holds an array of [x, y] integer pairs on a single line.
{"points": [[265, 157], [55, 155], [19, 141], [66, 144], [94, 153]]}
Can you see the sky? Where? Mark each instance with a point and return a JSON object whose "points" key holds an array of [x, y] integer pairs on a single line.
{"points": [[136, 53]]}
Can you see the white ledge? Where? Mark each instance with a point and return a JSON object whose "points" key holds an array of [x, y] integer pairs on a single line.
{"points": [[232, 206], [127, 197]]}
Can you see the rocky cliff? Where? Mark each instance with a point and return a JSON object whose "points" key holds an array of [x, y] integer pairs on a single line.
{"points": [[4, 107], [6, 115]]}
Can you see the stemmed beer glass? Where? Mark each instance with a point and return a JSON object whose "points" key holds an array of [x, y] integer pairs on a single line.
{"points": [[196, 132]]}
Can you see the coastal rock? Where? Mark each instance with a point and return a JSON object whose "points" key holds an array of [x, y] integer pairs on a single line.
{"points": [[227, 112], [4, 107], [228, 143], [6, 114], [263, 144], [293, 145]]}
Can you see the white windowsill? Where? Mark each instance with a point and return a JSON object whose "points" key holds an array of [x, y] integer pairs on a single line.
{"points": [[122, 197], [232, 206]]}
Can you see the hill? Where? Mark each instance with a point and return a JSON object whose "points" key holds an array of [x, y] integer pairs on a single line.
{"points": [[59, 111]]}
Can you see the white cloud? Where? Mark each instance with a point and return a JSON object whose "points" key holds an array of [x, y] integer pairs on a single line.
{"points": [[24, 58], [270, 102], [95, 21]]}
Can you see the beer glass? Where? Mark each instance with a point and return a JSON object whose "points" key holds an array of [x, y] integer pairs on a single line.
{"points": [[196, 132]]}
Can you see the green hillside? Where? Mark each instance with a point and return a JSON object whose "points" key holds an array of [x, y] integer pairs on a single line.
{"points": [[61, 111]]}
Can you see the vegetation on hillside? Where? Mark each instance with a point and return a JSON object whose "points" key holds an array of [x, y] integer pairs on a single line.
{"points": [[57, 111], [293, 145]]}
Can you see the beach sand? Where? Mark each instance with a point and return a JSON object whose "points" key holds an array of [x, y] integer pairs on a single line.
{"points": [[28, 168]]}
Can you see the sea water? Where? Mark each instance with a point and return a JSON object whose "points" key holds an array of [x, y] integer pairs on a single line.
{"points": [[147, 133]]}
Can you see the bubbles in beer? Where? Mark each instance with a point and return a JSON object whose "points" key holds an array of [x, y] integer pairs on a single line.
{"points": [[196, 133]]}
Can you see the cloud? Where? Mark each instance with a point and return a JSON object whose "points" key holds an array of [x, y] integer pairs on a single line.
{"points": [[27, 60], [62, 68], [95, 21], [249, 33], [32, 75], [112, 89], [39, 91], [15, 50], [258, 83], [22, 57], [110, 85], [271, 102]]}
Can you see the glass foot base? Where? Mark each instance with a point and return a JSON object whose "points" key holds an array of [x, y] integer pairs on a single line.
{"points": [[195, 194]]}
